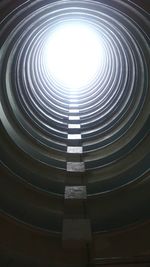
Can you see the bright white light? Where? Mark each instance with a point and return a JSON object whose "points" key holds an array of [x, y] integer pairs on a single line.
{"points": [[73, 55]]}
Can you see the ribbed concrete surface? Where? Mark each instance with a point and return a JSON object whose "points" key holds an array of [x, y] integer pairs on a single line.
{"points": [[98, 138]]}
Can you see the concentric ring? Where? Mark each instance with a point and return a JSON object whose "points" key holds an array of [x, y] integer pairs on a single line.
{"points": [[114, 107]]}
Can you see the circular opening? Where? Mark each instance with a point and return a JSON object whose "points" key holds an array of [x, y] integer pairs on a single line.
{"points": [[73, 55]]}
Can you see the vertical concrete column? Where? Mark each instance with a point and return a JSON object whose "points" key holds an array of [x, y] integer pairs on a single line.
{"points": [[76, 231]]}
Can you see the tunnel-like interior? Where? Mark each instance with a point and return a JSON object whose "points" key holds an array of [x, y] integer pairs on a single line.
{"points": [[74, 90]]}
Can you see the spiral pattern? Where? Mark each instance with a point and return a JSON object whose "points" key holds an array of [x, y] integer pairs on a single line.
{"points": [[114, 112]]}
